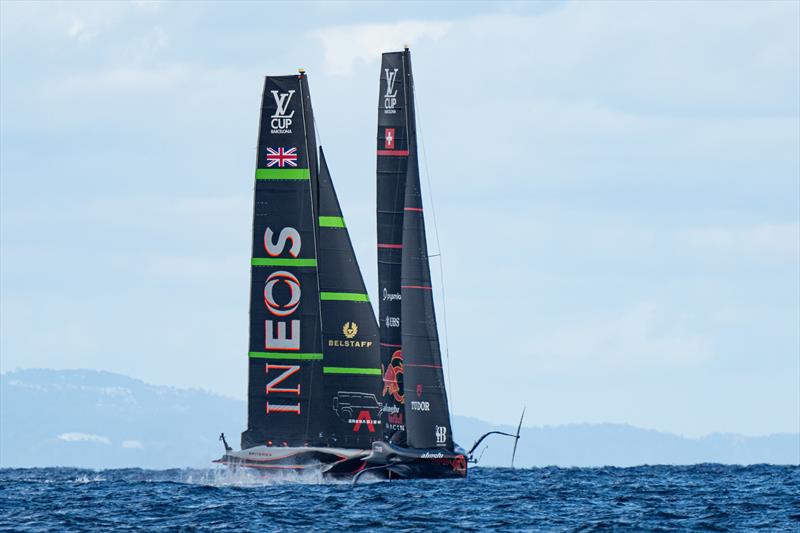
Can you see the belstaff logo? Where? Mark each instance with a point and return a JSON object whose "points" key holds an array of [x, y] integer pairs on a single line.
{"points": [[390, 98], [282, 122], [350, 329]]}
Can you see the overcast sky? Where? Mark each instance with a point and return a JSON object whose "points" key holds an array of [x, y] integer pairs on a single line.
{"points": [[617, 189]]}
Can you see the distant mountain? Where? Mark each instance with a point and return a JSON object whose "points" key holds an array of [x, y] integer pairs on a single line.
{"points": [[104, 420]]}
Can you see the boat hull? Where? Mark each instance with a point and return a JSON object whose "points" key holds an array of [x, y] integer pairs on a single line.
{"points": [[328, 461], [396, 462]]}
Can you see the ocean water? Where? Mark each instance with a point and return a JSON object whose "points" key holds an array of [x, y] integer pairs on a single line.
{"points": [[647, 498]]}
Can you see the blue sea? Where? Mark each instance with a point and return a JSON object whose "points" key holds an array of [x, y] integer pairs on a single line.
{"points": [[648, 498]]}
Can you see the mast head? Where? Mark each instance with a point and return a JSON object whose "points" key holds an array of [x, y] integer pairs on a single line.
{"points": [[302, 71], [405, 46]]}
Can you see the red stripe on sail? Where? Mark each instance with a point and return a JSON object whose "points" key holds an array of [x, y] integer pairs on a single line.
{"points": [[386, 344], [403, 153], [413, 209], [396, 246], [416, 287], [423, 366]]}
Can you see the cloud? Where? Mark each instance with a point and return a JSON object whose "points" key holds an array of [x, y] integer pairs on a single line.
{"points": [[131, 444], [84, 437], [345, 45]]}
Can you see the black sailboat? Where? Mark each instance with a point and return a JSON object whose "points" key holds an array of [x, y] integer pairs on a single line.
{"points": [[418, 436], [314, 361]]}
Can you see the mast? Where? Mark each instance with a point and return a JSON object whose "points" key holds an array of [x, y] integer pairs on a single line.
{"points": [[392, 165], [351, 371], [426, 409], [285, 347]]}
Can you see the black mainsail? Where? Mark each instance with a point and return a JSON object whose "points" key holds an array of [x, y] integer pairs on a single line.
{"points": [[352, 373], [422, 446], [427, 413], [285, 350], [395, 101]]}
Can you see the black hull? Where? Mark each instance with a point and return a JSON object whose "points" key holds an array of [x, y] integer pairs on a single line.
{"points": [[395, 462]]}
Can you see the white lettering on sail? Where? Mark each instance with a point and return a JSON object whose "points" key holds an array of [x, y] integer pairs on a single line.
{"points": [[294, 293], [441, 434], [420, 406], [392, 321], [282, 341], [288, 370], [390, 98], [390, 296], [286, 234], [281, 122]]}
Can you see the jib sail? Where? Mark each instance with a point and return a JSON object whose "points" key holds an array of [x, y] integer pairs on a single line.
{"points": [[426, 410], [394, 103], [285, 353], [352, 373]]}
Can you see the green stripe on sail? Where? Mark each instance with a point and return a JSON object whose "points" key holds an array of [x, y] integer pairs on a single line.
{"points": [[331, 222], [346, 370], [287, 355], [283, 262], [282, 174], [344, 296]]}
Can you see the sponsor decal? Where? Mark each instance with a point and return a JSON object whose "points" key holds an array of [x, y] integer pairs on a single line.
{"points": [[420, 406], [390, 296], [335, 343], [419, 390], [365, 418], [294, 293], [390, 98], [429, 455], [281, 157], [441, 434], [350, 329], [392, 321], [388, 141], [347, 403], [277, 335], [281, 121], [273, 387], [391, 375], [459, 464]]}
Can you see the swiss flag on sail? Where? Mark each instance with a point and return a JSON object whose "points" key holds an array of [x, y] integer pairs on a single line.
{"points": [[388, 142]]}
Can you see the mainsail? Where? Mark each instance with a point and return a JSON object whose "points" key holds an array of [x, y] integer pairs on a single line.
{"points": [[352, 373], [395, 100], [426, 410], [285, 352], [314, 356]]}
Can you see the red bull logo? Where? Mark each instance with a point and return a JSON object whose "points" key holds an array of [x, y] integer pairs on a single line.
{"points": [[391, 375]]}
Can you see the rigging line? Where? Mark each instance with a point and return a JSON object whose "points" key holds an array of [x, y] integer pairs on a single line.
{"points": [[450, 396]]}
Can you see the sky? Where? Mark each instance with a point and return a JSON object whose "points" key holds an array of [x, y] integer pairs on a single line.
{"points": [[616, 188]]}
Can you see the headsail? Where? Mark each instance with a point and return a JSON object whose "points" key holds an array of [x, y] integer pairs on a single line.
{"points": [[426, 409], [352, 373], [394, 103], [285, 352]]}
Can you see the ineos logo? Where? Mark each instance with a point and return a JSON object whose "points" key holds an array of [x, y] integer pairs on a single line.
{"points": [[294, 293]]}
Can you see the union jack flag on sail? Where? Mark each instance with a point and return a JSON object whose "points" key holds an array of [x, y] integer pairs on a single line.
{"points": [[281, 157]]}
